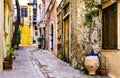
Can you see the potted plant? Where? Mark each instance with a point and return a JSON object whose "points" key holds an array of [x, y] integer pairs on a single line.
{"points": [[40, 41], [10, 56], [34, 41], [16, 38], [103, 70], [91, 61]]}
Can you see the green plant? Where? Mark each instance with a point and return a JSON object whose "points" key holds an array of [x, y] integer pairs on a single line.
{"points": [[90, 31], [16, 37], [34, 41], [102, 62], [16, 34], [90, 16], [10, 56], [61, 57], [41, 38]]}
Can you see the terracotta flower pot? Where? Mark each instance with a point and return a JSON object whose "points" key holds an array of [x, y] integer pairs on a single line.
{"points": [[103, 72], [7, 64], [91, 64]]}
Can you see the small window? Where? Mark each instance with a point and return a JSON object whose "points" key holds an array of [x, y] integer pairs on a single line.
{"points": [[24, 12]]}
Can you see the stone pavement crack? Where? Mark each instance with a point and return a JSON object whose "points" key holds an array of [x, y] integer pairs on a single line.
{"points": [[37, 64]]}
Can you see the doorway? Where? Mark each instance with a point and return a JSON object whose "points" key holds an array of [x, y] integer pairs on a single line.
{"points": [[51, 37], [66, 38]]}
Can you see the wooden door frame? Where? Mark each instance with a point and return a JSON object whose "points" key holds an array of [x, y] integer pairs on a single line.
{"points": [[64, 18]]}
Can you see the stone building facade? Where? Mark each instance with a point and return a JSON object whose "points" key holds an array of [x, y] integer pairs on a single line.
{"points": [[6, 22], [72, 34], [48, 24]]}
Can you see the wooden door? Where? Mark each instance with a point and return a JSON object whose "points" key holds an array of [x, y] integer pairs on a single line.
{"points": [[66, 38], [109, 35]]}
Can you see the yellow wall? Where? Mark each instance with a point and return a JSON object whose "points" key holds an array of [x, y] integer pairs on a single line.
{"points": [[112, 56], [7, 26], [26, 35], [1, 32], [118, 23]]}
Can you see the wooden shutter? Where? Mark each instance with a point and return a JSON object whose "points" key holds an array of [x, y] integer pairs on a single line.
{"points": [[110, 27]]}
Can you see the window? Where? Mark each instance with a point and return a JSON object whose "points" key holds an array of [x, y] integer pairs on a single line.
{"points": [[34, 1], [24, 12], [109, 28]]}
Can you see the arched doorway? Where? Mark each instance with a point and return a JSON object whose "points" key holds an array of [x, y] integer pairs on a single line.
{"points": [[51, 37]]}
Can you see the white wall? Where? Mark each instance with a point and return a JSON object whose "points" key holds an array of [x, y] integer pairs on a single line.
{"points": [[39, 2], [23, 2], [58, 2]]}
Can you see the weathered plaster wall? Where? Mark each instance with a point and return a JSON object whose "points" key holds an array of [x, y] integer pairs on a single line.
{"points": [[1, 32], [80, 32], [73, 33], [112, 56], [80, 24], [118, 24], [53, 20], [59, 30], [8, 12]]}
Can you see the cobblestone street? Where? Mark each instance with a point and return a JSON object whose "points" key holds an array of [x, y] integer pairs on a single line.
{"points": [[31, 62]]}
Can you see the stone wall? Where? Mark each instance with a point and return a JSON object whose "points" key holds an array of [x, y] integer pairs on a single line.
{"points": [[59, 31], [73, 33], [80, 24], [78, 34]]}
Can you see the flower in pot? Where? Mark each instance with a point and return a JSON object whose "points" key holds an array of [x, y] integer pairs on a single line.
{"points": [[10, 56], [90, 42], [91, 63], [103, 69]]}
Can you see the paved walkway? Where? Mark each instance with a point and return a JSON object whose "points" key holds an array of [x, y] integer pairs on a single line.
{"points": [[53, 67], [22, 67], [31, 62]]}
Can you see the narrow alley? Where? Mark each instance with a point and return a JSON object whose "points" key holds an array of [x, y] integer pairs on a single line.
{"points": [[22, 66], [59, 38], [32, 62]]}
